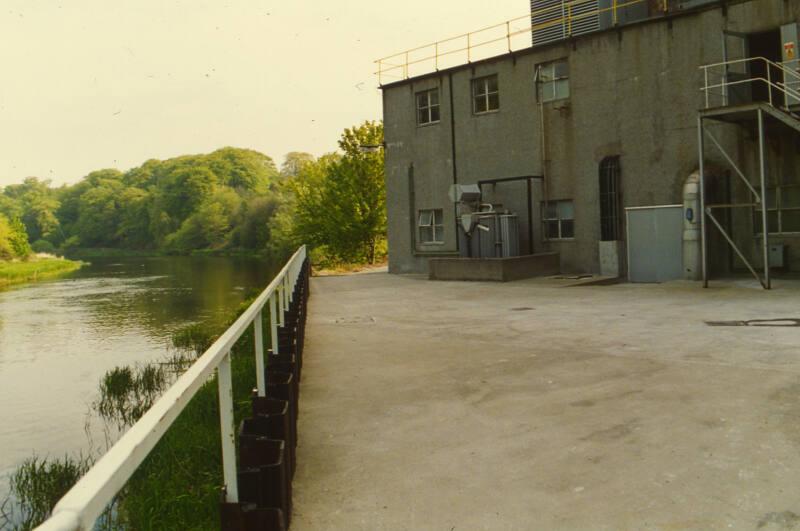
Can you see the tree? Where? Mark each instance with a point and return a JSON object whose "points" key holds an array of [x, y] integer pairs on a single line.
{"points": [[293, 162], [338, 203]]}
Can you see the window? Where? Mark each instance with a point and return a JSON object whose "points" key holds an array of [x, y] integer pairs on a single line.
{"points": [[558, 219], [553, 81], [485, 94], [610, 200], [783, 210], [428, 107], [431, 228]]}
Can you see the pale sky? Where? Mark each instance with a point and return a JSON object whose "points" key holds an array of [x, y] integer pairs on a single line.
{"points": [[90, 84]]}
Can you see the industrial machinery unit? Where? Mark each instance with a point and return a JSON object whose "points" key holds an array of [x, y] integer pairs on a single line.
{"points": [[483, 231]]}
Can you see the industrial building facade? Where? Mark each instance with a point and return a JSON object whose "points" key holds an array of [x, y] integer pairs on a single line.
{"points": [[574, 134]]}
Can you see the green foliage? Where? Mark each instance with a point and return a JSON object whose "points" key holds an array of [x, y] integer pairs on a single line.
{"points": [[230, 201], [37, 484], [338, 202], [43, 246], [18, 239]]}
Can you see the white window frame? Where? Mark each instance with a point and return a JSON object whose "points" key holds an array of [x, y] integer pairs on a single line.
{"points": [[549, 77], [775, 204], [558, 219], [433, 219], [428, 107], [481, 92]]}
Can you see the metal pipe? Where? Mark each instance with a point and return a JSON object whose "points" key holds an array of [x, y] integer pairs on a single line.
{"points": [[227, 429], [764, 223], [530, 217], [258, 332], [701, 155]]}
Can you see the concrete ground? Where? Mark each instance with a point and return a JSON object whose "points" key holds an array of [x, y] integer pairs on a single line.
{"points": [[533, 405]]}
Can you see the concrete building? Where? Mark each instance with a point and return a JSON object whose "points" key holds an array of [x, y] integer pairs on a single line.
{"points": [[598, 117]]}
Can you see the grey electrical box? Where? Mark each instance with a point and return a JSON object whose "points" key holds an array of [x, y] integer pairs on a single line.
{"points": [[777, 253], [494, 235]]}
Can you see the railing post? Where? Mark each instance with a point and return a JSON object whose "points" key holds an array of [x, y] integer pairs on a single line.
{"points": [[705, 87], [469, 49], [436, 55], [281, 301], [614, 12], [769, 81], [259, 335], [508, 34], [227, 429], [273, 324]]}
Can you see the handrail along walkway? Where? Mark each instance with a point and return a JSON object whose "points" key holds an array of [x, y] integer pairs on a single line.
{"points": [[87, 500]]}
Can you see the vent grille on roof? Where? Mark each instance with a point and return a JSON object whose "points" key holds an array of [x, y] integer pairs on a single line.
{"points": [[554, 20]]}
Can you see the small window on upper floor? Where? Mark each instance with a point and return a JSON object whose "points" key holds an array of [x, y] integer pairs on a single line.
{"points": [[428, 107], [485, 94], [553, 81]]}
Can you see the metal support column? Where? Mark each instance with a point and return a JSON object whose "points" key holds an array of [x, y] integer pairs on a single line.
{"points": [[701, 149], [762, 164]]}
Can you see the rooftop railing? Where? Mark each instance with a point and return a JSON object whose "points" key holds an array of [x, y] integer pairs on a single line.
{"points": [[86, 501], [554, 23]]}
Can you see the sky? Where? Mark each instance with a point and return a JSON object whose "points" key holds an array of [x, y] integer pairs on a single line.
{"points": [[90, 84]]}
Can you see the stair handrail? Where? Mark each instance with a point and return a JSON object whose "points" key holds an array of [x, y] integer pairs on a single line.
{"points": [[783, 87]]}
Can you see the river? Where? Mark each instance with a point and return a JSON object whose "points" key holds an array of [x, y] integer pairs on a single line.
{"points": [[58, 338]]}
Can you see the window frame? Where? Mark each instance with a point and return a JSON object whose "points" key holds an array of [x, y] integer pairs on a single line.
{"points": [[428, 108], [776, 193], [553, 80], [485, 96], [557, 219], [436, 229], [610, 198]]}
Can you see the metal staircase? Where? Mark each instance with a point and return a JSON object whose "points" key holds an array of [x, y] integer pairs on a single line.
{"points": [[753, 92]]}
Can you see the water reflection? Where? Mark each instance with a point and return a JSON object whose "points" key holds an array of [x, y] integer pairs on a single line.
{"points": [[58, 338]]}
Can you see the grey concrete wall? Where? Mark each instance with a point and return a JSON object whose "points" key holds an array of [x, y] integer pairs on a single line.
{"points": [[634, 92]]}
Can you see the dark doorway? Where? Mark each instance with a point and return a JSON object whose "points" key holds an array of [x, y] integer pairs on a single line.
{"points": [[766, 44]]}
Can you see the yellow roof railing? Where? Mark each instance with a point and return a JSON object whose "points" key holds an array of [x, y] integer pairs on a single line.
{"points": [[571, 17]]}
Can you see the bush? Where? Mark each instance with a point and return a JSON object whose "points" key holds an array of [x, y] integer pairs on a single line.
{"points": [[19, 239], [43, 246]]}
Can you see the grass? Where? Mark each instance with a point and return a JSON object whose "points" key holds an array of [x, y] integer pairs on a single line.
{"points": [[35, 269], [178, 486], [38, 484]]}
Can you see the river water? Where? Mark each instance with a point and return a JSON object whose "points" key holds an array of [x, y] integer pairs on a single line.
{"points": [[58, 338]]}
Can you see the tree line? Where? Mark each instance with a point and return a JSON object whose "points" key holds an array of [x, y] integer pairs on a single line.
{"points": [[230, 200]]}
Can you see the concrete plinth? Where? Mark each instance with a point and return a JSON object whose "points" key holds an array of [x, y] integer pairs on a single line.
{"points": [[496, 269]]}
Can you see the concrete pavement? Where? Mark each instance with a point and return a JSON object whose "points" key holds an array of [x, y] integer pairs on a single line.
{"points": [[532, 405]]}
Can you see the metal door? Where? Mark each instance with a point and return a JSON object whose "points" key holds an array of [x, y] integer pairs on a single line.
{"points": [[735, 49], [655, 243]]}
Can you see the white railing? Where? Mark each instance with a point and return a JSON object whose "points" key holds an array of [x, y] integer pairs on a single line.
{"points": [[87, 500], [781, 78]]}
